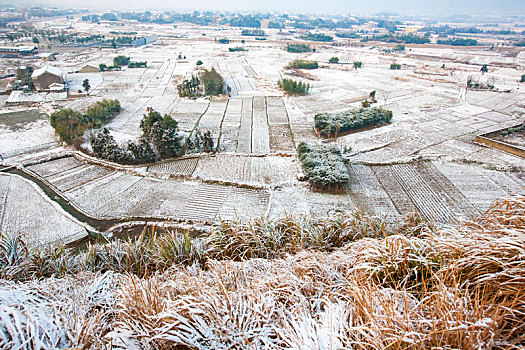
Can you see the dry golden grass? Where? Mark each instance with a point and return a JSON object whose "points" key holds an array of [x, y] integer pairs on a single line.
{"points": [[343, 282]]}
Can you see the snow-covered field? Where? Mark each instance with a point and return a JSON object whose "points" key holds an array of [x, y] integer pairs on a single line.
{"points": [[425, 160]]}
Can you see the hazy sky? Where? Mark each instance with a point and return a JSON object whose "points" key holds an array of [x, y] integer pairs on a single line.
{"points": [[486, 7]]}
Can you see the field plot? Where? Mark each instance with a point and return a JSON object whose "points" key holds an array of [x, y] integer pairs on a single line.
{"points": [[244, 203], [505, 103], [236, 77], [280, 132], [368, 194], [479, 186], [244, 143], [56, 167], [212, 119], [32, 154], [413, 187], [260, 127], [180, 167], [24, 130], [204, 202], [188, 113], [68, 173], [300, 200], [231, 126], [248, 169], [107, 194], [24, 210]]}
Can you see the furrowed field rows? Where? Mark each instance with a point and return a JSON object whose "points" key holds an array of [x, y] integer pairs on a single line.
{"points": [[78, 177], [395, 191], [280, 132], [188, 112], [95, 195], [182, 167], [247, 170], [40, 222], [476, 185], [430, 205], [235, 77], [507, 181], [204, 203], [249, 69], [244, 203], [127, 199], [260, 128], [55, 166], [25, 151], [211, 120], [244, 143], [368, 193], [456, 201], [231, 125]]}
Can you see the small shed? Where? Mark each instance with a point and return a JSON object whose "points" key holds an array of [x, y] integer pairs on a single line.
{"points": [[89, 68], [47, 56]]}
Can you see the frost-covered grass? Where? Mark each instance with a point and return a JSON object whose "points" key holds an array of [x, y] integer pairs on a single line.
{"points": [[343, 282]]}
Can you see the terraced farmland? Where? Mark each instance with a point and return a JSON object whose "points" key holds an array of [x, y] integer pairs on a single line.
{"points": [[179, 167], [439, 192]]}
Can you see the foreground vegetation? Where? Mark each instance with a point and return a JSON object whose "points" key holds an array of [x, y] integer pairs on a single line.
{"points": [[323, 166], [332, 124], [343, 282]]}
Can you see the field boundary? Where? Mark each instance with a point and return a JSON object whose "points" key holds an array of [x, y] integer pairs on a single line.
{"points": [[502, 146]]}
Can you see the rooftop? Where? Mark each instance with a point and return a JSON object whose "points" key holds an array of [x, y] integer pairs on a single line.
{"points": [[49, 69]]}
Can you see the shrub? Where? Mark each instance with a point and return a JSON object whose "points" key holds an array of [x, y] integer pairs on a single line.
{"points": [[236, 48], [137, 65], [253, 32], [121, 61], [331, 124], [293, 87], [395, 66], [298, 48], [333, 60], [199, 63], [358, 64], [190, 87], [302, 64], [399, 47], [213, 82], [69, 125], [323, 166], [317, 37]]}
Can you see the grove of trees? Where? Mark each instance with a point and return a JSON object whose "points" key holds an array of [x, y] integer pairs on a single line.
{"points": [[70, 125], [160, 140], [303, 64], [293, 87], [298, 48], [331, 124], [323, 166]]}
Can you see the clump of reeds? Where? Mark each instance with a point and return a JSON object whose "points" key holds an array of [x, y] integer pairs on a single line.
{"points": [[346, 281]]}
